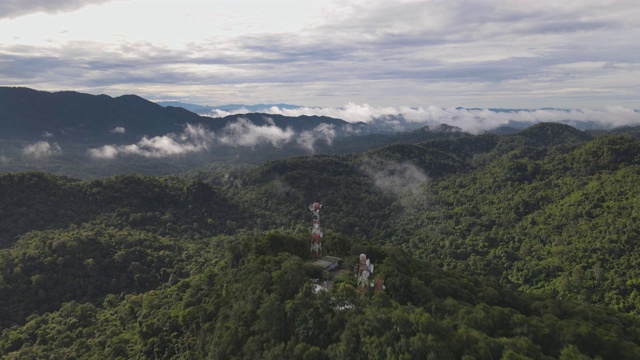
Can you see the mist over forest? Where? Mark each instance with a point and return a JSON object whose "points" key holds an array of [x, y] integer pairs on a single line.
{"points": [[315, 180], [84, 135], [150, 231]]}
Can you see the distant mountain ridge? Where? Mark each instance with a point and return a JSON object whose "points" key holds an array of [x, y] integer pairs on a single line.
{"points": [[299, 123], [207, 109], [87, 135], [32, 115]]}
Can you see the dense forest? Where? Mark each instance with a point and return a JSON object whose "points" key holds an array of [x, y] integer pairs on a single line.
{"points": [[519, 246]]}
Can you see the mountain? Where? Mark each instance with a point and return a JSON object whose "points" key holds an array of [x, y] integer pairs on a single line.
{"points": [[206, 109], [299, 123], [518, 246], [61, 132], [84, 136], [67, 116], [70, 116], [191, 107], [515, 246], [554, 134]]}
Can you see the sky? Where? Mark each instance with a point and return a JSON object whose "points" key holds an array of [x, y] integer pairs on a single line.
{"points": [[348, 54]]}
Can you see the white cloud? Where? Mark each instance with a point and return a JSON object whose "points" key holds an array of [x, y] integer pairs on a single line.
{"points": [[219, 113], [244, 133], [307, 139], [104, 152], [469, 120], [42, 149], [118, 130], [193, 139], [350, 112], [400, 179], [15, 8], [489, 53]]}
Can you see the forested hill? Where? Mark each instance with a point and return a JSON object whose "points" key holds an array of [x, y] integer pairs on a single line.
{"points": [[162, 205], [73, 117], [490, 246], [27, 114]]}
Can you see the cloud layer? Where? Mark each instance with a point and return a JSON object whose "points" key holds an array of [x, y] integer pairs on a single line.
{"points": [[469, 120], [16, 8], [196, 138], [484, 53]]}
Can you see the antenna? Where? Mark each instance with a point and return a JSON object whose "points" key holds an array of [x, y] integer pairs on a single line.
{"points": [[316, 232]]}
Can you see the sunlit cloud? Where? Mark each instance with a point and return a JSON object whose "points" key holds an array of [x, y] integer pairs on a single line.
{"points": [[42, 149], [118, 130]]}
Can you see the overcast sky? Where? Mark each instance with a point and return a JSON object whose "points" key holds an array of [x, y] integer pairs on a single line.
{"points": [[473, 53]]}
